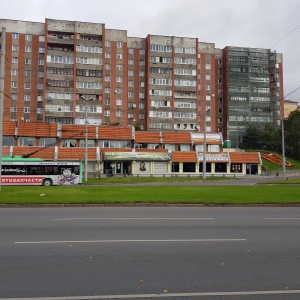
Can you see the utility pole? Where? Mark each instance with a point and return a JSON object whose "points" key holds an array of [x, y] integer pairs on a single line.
{"points": [[283, 148], [2, 63]]}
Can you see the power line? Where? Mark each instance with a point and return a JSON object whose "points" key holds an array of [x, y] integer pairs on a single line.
{"points": [[285, 36], [292, 91]]}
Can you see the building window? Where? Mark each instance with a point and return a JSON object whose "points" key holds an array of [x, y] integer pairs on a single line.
{"points": [[28, 49], [107, 43], [27, 97], [15, 36], [26, 109], [119, 113], [13, 96], [184, 147], [27, 73], [14, 84], [14, 60], [119, 44], [28, 37], [26, 141], [119, 56], [28, 61], [14, 72], [130, 94], [15, 48]]}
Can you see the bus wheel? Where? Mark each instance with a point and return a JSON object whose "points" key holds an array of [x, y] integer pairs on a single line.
{"points": [[47, 182]]}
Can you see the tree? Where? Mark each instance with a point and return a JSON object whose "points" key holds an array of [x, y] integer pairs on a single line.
{"points": [[252, 136], [271, 136], [292, 135]]}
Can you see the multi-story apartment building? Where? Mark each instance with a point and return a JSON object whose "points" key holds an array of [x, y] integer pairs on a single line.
{"points": [[70, 71]]}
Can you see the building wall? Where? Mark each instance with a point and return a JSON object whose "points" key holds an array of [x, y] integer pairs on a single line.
{"points": [[158, 82]]}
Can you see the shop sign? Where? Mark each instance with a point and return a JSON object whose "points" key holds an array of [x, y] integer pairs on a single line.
{"points": [[217, 157], [138, 156]]}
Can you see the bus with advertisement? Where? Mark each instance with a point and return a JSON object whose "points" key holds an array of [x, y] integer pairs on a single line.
{"points": [[36, 171]]}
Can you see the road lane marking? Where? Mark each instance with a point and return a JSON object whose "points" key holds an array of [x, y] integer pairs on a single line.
{"points": [[282, 218], [134, 241], [71, 219], [165, 295]]}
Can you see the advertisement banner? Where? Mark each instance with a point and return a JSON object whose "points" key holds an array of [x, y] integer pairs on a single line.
{"points": [[161, 167], [212, 138], [142, 167]]}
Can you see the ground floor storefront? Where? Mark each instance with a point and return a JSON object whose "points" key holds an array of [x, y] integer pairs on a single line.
{"points": [[164, 164]]}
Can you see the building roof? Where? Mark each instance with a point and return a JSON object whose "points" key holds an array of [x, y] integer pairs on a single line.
{"points": [[176, 137], [147, 137], [244, 157], [181, 156]]}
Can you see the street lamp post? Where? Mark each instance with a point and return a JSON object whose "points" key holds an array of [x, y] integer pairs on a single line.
{"points": [[86, 139], [2, 62], [204, 146], [283, 149], [204, 150]]}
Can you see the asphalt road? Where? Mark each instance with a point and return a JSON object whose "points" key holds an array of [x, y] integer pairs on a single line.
{"points": [[150, 253]]}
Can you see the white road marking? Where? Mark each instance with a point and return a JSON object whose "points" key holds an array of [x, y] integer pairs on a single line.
{"points": [[282, 218], [165, 295], [71, 219], [135, 241]]}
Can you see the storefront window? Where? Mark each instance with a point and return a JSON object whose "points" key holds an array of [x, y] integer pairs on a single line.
{"points": [[236, 168]]}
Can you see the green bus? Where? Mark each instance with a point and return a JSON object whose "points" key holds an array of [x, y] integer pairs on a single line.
{"points": [[36, 171]]}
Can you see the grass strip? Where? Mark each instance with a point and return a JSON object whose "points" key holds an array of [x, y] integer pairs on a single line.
{"points": [[270, 194]]}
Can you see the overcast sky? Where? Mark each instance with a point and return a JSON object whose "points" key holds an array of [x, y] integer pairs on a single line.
{"points": [[252, 23]]}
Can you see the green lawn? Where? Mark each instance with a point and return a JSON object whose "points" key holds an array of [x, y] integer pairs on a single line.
{"points": [[270, 194]]}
